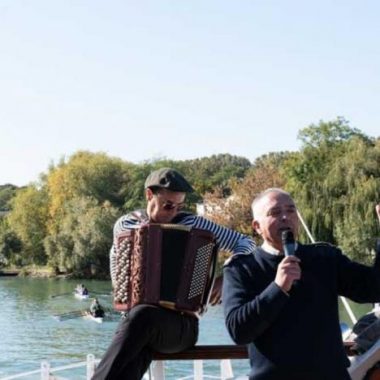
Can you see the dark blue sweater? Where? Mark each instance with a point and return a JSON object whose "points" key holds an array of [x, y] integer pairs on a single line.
{"points": [[295, 336]]}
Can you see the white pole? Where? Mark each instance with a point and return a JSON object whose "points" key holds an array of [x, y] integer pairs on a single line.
{"points": [[90, 370], [157, 370], [45, 370], [226, 371], [198, 369], [345, 303]]}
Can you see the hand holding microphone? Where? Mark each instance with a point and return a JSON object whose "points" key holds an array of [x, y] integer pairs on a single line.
{"points": [[289, 269]]}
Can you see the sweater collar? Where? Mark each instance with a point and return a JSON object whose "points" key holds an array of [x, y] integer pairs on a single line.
{"points": [[273, 251]]}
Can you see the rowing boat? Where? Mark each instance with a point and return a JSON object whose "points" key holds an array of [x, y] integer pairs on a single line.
{"points": [[81, 296], [90, 317]]}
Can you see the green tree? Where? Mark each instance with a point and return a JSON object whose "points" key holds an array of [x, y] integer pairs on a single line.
{"points": [[207, 173], [7, 192], [335, 181], [10, 245], [28, 221], [88, 184], [234, 210], [84, 238], [86, 175], [358, 191]]}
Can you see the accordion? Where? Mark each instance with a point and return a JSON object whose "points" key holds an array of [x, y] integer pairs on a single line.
{"points": [[169, 265]]}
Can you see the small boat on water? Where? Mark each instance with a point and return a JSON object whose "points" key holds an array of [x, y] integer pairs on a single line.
{"points": [[81, 292], [81, 296], [89, 316]]}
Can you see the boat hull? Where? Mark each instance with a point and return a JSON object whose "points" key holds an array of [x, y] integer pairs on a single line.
{"points": [[94, 319], [81, 296]]}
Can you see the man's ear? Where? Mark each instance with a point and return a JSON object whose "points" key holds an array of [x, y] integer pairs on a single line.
{"points": [[148, 194], [256, 227]]}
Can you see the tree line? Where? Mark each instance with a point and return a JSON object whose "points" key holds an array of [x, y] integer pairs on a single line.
{"points": [[65, 219]]}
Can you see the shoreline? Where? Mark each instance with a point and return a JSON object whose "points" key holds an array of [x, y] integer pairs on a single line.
{"points": [[8, 273], [43, 272]]}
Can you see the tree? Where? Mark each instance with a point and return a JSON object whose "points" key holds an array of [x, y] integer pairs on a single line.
{"points": [[84, 238], [28, 221], [86, 175], [7, 192], [234, 210], [329, 134], [206, 173], [335, 180], [10, 245], [359, 191]]}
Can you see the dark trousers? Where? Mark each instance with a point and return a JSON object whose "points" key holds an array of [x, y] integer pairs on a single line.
{"points": [[145, 329]]}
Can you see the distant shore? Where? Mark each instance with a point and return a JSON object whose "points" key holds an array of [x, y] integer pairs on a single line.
{"points": [[45, 272], [29, 271], [9, 272]]}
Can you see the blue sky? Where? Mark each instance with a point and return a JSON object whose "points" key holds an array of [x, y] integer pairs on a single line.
{"points": [[179, 79]]}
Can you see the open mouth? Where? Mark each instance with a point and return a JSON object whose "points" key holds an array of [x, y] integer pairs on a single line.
{"points": [[284, 229]]}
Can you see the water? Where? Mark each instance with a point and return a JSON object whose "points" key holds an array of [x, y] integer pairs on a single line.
{"points": [[29, 334]]}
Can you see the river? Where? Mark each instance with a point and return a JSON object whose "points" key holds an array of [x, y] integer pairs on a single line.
{"points": [[29, 334]]}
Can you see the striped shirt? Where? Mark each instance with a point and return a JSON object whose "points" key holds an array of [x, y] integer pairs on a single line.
{"points": [[227, 239]]}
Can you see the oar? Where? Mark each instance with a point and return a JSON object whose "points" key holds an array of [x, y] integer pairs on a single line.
{"points": [[59, 295], [102, 294], [70, 315]]}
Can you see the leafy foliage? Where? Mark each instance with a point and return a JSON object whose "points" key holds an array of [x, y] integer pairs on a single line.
{"points": [[66, 220], [28, 221], [10, 245], [7, 192], [235, 211], [84, 237], [335, 180]]}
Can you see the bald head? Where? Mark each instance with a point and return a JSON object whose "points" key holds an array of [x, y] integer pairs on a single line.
{"points": [[274, 211], [256, 202]]}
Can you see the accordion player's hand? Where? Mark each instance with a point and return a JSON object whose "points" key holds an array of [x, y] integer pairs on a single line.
{"points": [[216, 292]]}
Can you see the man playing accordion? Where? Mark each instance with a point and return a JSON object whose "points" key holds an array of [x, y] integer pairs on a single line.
{"points": [[149, 327]]}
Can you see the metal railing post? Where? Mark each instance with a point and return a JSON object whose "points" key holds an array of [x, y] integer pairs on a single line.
{"points": [[157, 370], [90, 366], [45, 370], [226, 371], [198, 369]]}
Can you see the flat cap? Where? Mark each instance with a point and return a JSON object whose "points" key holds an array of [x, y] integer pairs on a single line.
{"points": [[170, 179]]}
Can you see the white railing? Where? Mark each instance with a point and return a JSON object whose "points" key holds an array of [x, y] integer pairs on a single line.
{"points": [[156, 371], [359, 367], [46, 372]]}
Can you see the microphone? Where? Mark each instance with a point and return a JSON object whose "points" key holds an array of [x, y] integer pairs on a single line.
{"points": [[288, 242]]}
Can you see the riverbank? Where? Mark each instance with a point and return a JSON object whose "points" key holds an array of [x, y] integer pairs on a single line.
{"points": [[30, 271], [9, 272], [48, 272]]}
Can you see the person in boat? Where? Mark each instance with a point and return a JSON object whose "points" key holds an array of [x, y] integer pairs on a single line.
{"points": [[285, 307], [81, 289], [148, 328], [96, 309]]}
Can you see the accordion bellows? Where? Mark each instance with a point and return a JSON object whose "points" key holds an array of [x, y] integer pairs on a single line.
{"points": [[164, 264]]}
